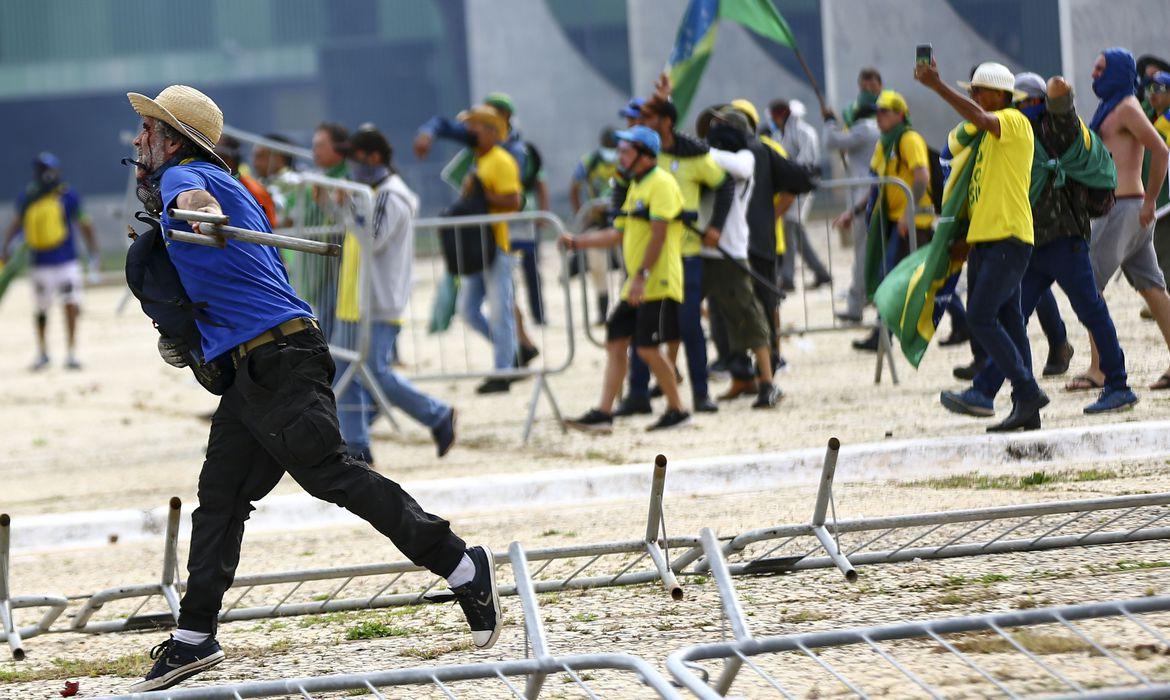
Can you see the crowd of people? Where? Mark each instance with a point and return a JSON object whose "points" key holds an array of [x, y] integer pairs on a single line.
{"points": [[705, 228]]}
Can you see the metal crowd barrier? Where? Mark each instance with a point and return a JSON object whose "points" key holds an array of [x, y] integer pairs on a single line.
{"points": [[939, 654], [370, 586], [13, 633], [447, 679]]}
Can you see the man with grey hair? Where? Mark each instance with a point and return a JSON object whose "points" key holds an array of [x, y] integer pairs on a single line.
{"points": [[1060, 216], [279, 413], [802, 144]]}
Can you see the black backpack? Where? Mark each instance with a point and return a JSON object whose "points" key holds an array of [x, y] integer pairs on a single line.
{"points": [[468, 249], [938, 179], [153, 279]]}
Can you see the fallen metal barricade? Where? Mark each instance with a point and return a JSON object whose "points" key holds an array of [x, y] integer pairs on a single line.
{"points": [[14, 633], [1039, 652], [362, 587], [446, 679], [846, 544]]}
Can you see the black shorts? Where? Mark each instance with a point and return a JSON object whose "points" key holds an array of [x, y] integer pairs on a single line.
{"points": [[650, 324]]}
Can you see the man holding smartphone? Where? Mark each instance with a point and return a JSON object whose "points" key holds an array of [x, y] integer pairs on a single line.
{"points": [[1000, 232]]}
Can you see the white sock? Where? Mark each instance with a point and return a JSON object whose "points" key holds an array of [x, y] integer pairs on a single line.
{"points": [[189, 637], [462, 573]]}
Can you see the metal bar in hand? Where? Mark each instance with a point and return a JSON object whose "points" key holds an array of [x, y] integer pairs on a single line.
{"points": [[219, 229]]}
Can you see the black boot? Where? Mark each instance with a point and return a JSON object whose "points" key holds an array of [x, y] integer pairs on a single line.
{"points": [[967, 372], [1058, 360], [1025, 415], [869, 344], [602, 308]]}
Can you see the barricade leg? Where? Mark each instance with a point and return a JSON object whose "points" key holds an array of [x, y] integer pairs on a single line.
{"points": [[533, 624], [170, 575], [824, 498], [655, 525], [10, 632], [731, 607]]}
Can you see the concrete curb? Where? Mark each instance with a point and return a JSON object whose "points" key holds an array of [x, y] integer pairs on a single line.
{"points": [[895, 459]]}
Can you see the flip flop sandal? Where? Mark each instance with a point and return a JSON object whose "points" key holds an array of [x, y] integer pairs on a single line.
{"points": [[1083, 382], [1162, 383]]}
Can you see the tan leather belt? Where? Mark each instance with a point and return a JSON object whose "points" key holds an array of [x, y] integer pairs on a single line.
{"points": [[271, 335]]}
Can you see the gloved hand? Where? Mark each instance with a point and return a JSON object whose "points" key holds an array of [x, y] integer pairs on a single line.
{"points": [[173, 351]]}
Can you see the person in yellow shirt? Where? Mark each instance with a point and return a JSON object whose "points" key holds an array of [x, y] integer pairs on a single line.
{"points": [[1000, 232], [496, 171], [689, 162], [650, 230]]}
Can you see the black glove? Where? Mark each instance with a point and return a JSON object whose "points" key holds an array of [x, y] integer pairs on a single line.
{"points": [[173, 351]]}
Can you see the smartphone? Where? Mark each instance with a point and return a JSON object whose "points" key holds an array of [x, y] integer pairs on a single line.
{"points": [[923, 53]]}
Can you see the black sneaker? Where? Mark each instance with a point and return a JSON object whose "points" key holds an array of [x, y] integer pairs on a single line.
{"points": [[175, 662], [967, 372], [592, 422], [495, 385], [704, 404], [480, 599], [867, 344], [769, 396], [526, 354], [633, 406], [444, 433], [669, 420]]}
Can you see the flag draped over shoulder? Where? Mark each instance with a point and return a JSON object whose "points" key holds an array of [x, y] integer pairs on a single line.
{"points": [[696, 39], [905, 298], [9, 270], [1087, 161]]}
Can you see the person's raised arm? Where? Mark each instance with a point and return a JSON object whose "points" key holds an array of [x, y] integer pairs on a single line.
{"points": [[197, 200], [966, 107], [1135, 121]]}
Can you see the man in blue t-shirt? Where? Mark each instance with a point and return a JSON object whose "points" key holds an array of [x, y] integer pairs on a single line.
{"points": [[49, 214], [279, 415]]}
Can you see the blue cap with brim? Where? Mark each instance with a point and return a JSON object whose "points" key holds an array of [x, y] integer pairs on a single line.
{"points": [[642, 136], [633, 108], [1161, 78], [47, 160]]}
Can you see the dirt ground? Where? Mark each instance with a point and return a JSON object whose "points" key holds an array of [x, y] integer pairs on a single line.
{"points": [[128, 432]]}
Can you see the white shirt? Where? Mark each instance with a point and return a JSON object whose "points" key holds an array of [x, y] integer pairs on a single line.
{"points": [[741, 166]]}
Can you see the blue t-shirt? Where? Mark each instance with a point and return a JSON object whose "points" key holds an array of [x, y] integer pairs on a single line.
{"points": [[70, 203], [244, 285]]}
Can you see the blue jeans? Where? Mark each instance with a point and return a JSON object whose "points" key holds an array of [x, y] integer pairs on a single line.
{"points": [[496, 286], [356, 407], [690, 328], [994, 314], [530, 263], [1065, 261]]}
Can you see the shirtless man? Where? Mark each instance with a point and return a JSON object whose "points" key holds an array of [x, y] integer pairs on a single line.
{"points": [[1123, 238]]}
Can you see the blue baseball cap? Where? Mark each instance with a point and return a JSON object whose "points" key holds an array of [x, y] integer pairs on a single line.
{"points": [[633, 108], [47, 161], [642, 136], [1161, 78]]}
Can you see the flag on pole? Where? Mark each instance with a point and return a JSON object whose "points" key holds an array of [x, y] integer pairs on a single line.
{"points": [[696, 39]]}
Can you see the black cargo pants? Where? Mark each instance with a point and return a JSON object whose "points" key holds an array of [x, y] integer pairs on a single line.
{"points": [[280, 416]]}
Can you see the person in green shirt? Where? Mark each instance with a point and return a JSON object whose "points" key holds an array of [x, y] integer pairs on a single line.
{"points": [[651, 233]]}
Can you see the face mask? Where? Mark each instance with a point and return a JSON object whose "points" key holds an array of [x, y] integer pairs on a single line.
{"points": [[149, 189], [608, 155], [472, 140], [368, 174], [1034, 112]]}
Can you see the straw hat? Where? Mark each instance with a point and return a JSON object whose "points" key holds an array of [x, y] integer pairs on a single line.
{"points": [[994, 76], [188, 111]]}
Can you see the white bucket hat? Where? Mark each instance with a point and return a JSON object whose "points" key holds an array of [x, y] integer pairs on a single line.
{"points": [[188, 111], [994, 76]]}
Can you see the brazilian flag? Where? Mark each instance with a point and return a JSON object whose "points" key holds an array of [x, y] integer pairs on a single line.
{"points": [[696, 39], [905, 298], [9, 270]]}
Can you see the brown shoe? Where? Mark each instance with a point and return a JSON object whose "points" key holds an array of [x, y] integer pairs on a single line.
{"points": [[739, 388]]}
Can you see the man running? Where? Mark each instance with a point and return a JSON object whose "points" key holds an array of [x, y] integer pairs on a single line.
{"points": [[279, 415]]}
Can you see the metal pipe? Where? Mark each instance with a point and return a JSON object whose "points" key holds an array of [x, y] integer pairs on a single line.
{"points": [[11, 633], [219, 229], [839, 559], [199, 216], [825, 490], [653, 528], [171, 557], [533, 625]]}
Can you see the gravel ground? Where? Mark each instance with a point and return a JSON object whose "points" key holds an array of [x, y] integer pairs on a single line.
{"points": [[642, 620], [128, 432]]}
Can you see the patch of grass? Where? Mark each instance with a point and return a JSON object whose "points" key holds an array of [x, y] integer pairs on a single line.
{"points": [[374, 629], [584, 617], [128, 666], [983, 482], [605, 456], [959, 598], [553, 532], [432, 653], [1035, 642], [988, 579], [805, 616], [1127, 565], [566, 678]]}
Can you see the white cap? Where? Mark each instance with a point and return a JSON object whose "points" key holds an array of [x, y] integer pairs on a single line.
{"points": [[994, 76]]}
